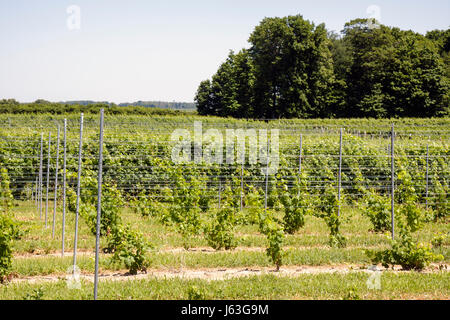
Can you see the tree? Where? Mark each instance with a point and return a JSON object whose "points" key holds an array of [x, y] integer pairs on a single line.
{"points": [[441, 39], [342, 60], [293, 68], [243, 76], [230, 91], [393, 73], [203, 98], [296, 69], [223, 88]]}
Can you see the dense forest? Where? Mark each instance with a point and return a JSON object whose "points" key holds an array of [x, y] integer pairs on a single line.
{"points": [[294, 68]]}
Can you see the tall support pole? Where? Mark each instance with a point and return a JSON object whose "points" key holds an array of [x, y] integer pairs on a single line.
{"points": [[242, 178], [36, 192], [99, 203], [392, 181], [64, 188], [220, 190], [48, 177], [300, 155], [267, 177], [56, 185], [40, 177], [426, 178], [300, 162], [340, 174], [36, 185], [77, 210]]}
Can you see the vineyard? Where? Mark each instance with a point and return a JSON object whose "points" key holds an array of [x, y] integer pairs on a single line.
{"points": [[350, 199]]}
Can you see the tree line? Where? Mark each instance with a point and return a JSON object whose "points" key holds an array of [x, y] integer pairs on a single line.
{"points": [[42, 106], [161, 105], [147, 104], [295, 69]]}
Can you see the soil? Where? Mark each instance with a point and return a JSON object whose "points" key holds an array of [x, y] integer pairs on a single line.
{"points": [[218, 273]]}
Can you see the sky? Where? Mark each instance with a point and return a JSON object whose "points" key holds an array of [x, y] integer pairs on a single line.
{"points": [[125, 51]]}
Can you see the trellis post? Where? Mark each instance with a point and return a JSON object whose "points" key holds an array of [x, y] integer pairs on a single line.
{"points": [[77, 210], [56, 184], [340, 174], [48, 176], [392, 182], [426, 178], [64, 187], [267, 177], [40, 177], [99, 203]]}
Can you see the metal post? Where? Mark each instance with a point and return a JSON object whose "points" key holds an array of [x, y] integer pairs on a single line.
{"points": [[36, 186], [267, 177], [64, 188], [340, 174], [48, 176], [426, 178], [99, 203], [56, 185], [242, 178], [220, 189], [300, 156], [36, 192], [40, 177], [300, 163], [392, 180], [77, 210]]}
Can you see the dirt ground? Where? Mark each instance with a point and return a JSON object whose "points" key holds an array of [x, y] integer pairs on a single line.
{"points": [[219, 273]]}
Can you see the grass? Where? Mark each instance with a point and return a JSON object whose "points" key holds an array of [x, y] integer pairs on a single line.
{"points": [[307, 247], [317, 286], [355, 227], [56, 265], [313, 257]]}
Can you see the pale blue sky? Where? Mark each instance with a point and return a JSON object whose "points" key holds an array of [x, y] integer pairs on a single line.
{"points": [[156, 50]]}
